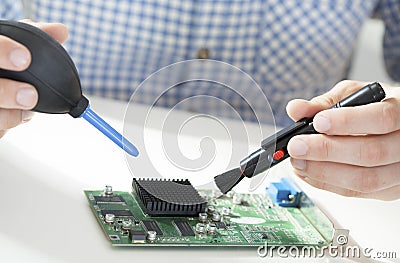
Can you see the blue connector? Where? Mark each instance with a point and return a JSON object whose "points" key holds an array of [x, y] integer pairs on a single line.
{"points": [[109, 131], [285, 193]]}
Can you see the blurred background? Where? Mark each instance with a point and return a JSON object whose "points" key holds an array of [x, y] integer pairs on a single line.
{"points": [[368, 62]]}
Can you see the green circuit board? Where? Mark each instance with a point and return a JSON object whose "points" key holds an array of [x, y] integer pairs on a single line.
{"points": [[244, 220]]}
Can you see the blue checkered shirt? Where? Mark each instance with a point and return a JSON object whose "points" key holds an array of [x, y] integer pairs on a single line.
{"points": [[292, 48]]}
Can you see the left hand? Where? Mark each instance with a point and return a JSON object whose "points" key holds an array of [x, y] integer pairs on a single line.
{"points": [[358, 152]]}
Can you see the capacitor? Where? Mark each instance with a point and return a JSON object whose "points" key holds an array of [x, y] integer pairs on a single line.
{"points": [[151, 236], [203, 217], [216, 217], [211, 228], [200, 228], [210, 209], [109, 218], [108, 190], [126, 224]]}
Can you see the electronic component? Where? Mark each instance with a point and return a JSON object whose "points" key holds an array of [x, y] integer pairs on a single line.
{"points": [[117, 213], [151, 236], [211, 228], [116, 199], [108, 190], [137, 236], [150, 225], [284, 193], [126, 224], [203, 217], [210, 209], [220, 225], [200, 228], [184, 228], [109, 218], [161, 197], [216, 216]]}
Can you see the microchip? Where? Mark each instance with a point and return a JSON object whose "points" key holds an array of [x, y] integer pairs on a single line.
{"points": [[220, 225], [137, 236], [117, 213], [150, 225], [184, 228], [161, 197], [116, 199]]}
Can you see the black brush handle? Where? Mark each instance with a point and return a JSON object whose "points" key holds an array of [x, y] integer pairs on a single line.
{"points": [[274, 148]]}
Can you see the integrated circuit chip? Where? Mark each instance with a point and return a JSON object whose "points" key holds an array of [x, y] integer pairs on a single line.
{"points": [[151, 225], [116, 199], [220, 225], [161, 197], [184, 228], [137, 236], [117, 213]]}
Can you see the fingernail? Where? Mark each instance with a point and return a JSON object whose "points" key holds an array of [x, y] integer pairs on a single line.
{"points": [[299, 164], [27, 115], [19, 57], [26, 97], [300, 175], [321, 123], [298, 147]]}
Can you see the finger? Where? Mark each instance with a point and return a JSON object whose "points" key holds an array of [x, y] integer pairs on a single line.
{"points": [[27, 115], [365, 151], [10, 118], [298, 108], [17, 95], [375, 118], [389, 194], [57, 30], [355, 178], [13, 55], [2, 133]]}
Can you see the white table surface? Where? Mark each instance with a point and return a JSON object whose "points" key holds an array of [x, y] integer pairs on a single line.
{"points": [[47, 163]]}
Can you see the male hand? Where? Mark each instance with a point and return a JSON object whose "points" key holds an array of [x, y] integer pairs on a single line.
{"points": [[358, 152], [17, 98]]}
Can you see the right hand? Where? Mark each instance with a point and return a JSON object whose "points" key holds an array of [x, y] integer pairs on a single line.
{"points": [[17, 98]]}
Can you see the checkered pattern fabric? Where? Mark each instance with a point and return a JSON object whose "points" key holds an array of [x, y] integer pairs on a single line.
{"points": [[291, 48]]}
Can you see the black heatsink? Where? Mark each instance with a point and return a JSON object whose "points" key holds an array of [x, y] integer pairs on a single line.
{"points": [[161, 197]]}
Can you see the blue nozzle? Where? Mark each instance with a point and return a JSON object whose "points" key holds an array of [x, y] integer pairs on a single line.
{"points": [[109, 131]]}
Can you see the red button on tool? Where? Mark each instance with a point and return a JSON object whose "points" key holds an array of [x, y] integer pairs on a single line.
{"points": [[278, 155]]}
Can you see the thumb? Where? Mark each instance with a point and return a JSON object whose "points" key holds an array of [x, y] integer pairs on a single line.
{"points": [[299, 108]]}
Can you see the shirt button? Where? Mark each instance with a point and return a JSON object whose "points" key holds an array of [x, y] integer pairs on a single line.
{"points": [[203, 53]]}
